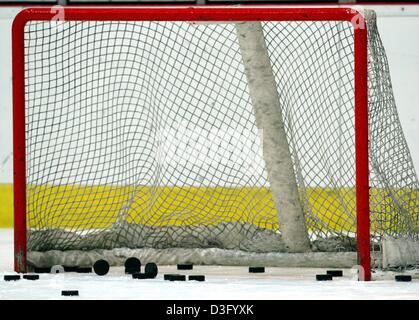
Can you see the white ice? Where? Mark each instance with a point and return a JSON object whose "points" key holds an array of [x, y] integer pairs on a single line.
{"points": [[233, 283]]}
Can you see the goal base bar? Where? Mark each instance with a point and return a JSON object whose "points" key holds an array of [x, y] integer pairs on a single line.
{"points": [[211, 256]]}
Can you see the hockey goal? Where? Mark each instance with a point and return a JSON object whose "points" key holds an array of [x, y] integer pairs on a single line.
{"points": [[216, 135]]}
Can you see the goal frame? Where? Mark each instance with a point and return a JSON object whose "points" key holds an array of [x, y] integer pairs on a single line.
{"points": [[196, 13]]}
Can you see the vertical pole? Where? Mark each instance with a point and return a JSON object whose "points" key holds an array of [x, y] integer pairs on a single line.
{"points": [[361, 146], [276, 149], [19, 158]]}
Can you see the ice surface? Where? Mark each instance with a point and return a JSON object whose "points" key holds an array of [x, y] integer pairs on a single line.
{"points": [[234, 283]]}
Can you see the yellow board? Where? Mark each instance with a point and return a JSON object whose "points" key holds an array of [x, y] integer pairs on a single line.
{"points": [[6, 205], [86, 207]]}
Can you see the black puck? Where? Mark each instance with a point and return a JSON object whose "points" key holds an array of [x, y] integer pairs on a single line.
{"points": [[403, 278], [196, 278], [42, 270], [324, 277], [335, 273], [70, 269], [101, 267], [84, 270], [31, 276], [70, 293], [139, 275], [175, 277], [185, 266], [256, 269], [12, 277], [132, 265], [151, 270]]}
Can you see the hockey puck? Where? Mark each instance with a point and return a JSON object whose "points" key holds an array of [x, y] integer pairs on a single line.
{"points": [[324, 277], [151, 270], [84, 270], [70, 269], [403, 278], [70, 293], [42, 270], [185, 266], [175, 277], [101, 267], [132, 265], [256, 269], [12, 277], [196, 278], [335, 273], [31, 276], [57, 269], [139, 275]]}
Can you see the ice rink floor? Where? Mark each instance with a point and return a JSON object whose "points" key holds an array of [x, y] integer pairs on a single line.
{"points": [[222, 283]]}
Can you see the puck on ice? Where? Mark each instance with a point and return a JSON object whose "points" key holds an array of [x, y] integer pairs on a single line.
{"points": [[12, 277], [132, 265], [70, 269], [196, 277], [185, 266], [42, 270], [403, 278], [151, 270], [256, 269], [84, 270], [324, 277], [175, 277], [31, 276], [70, 293], [101, 267], [335, 273]]}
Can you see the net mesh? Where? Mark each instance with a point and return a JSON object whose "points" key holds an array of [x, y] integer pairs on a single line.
{"points": [[142, 135]]}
